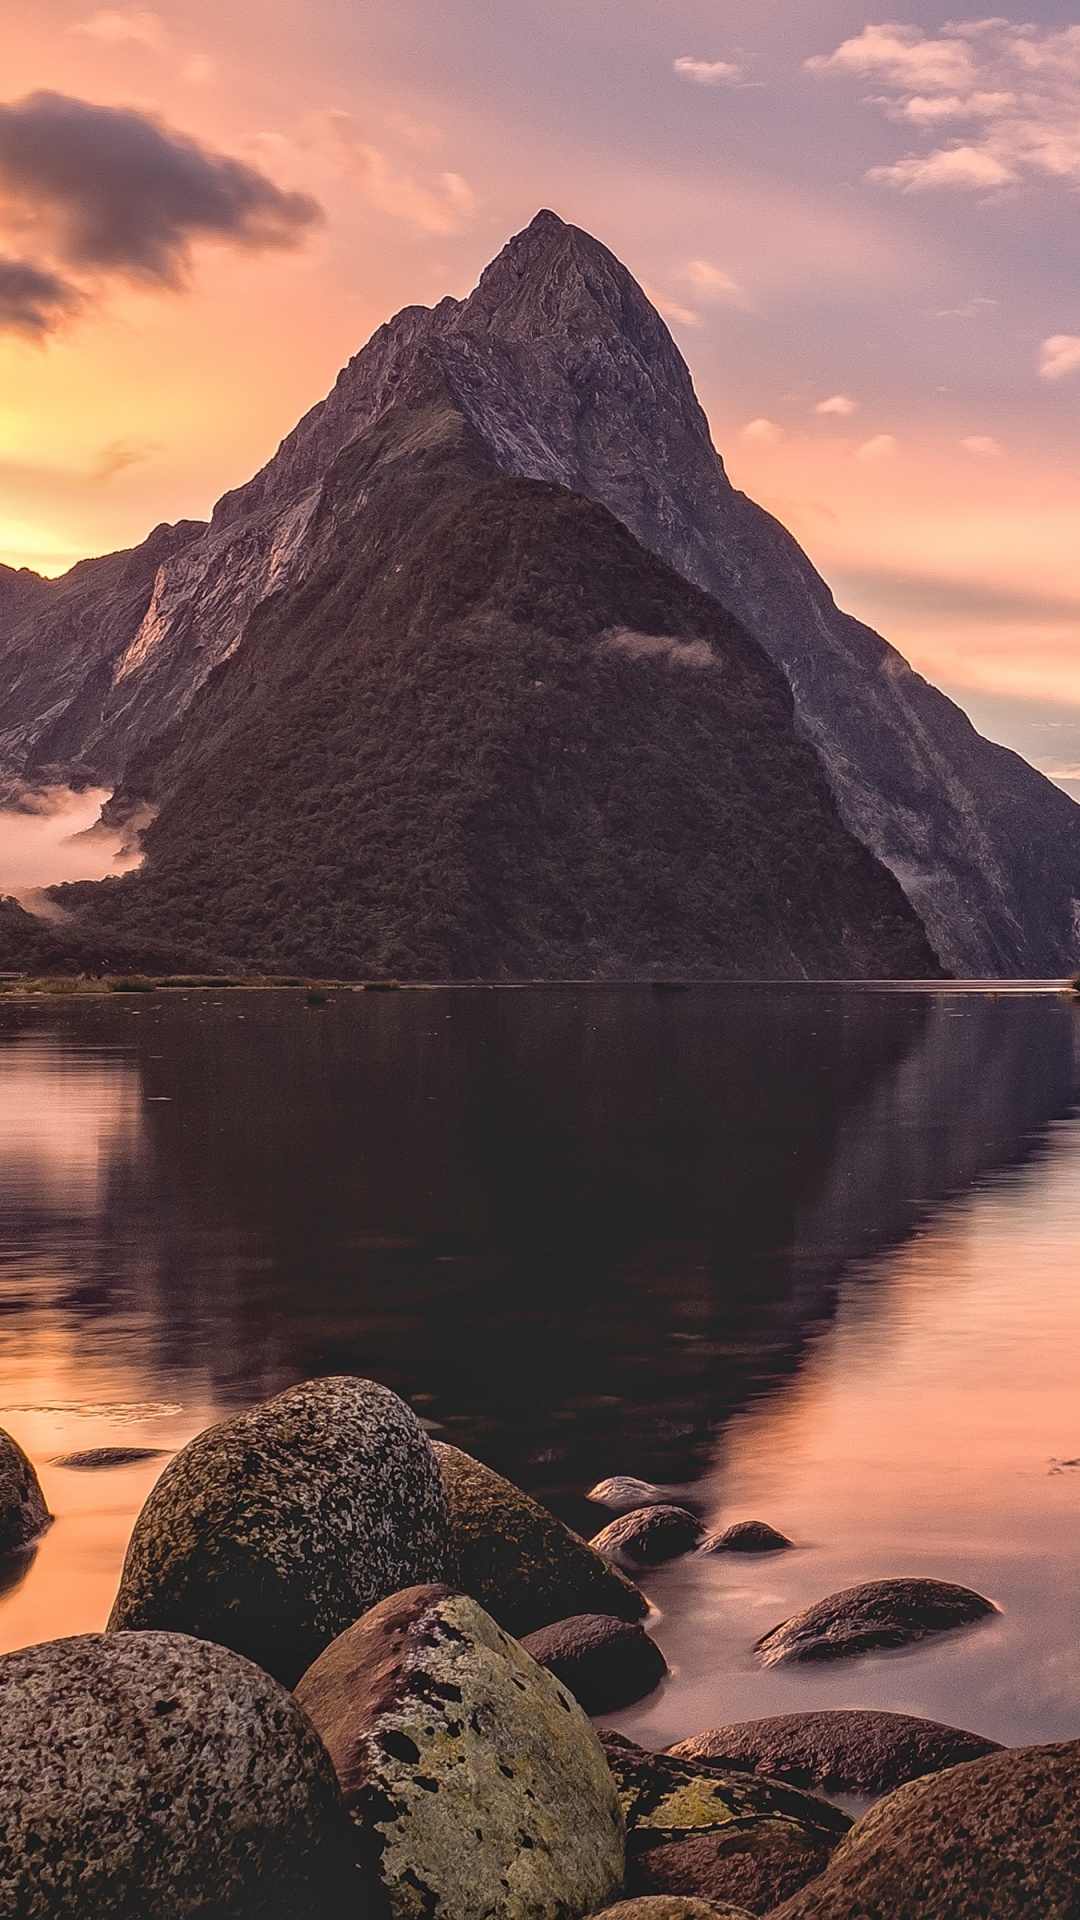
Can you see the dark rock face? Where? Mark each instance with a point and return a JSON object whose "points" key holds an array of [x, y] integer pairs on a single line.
{"points": [[850, 1750], [995, 1839], [272, 1532], [23, 1513], [517, 1560], [566, 374], [758, 1867], [476, 1783], [147, 1773], [747, 1536], [698, 1830], [648, 1537], [605, 1663], [865, 1619], [92, 1458]]}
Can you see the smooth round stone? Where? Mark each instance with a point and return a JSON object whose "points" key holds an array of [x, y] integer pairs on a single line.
{"points": [[147, 1776], [623, 1494], [478, 1787], [648, 1536], [273, 1531], [524, 1566], [606, 1663], [23, 1513], [671, 1906], [839, 1750], [994, 1839], [746, 1536], [868, 1618]]}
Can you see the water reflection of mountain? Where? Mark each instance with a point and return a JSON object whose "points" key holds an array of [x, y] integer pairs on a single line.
{"points": [[586, 1225]]}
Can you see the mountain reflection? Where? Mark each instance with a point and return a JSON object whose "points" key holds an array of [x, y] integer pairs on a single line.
{"points": [[578, 1228]]}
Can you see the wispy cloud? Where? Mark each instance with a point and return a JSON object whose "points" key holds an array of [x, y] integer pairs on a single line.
{"points": [[713, 287], [708, 73], [765, 432], [837, 403], [881, 447], [444, 207], [1006, 97], [139, 28], [1059, 355], [983, 446]]}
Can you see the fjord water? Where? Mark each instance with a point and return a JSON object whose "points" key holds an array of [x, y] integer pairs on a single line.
{"points": [[807, 1254]]}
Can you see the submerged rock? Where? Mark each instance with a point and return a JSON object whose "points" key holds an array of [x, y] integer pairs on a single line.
{"points": [[148, 1774], [864, 1619], [747, 1536], [648, 1536], [272, 1532], [606, 1663], [623, 1494], [476, 1782], [994, 1839], [839, 1750], [757, 1866], [23, 1513], [522, 1564], [111, 1456]]}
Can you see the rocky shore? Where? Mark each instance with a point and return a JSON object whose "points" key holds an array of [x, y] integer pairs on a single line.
{"points": [[349, 1672]]}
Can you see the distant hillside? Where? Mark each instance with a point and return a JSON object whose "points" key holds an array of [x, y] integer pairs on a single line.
{"points": [[566, 374], [491, 736]]}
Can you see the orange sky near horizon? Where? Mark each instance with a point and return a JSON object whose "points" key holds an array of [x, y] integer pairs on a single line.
{"points": [[867, 341]]}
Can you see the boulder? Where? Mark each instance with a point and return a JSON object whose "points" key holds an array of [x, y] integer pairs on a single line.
{"points": [[747, 1536], [670, 1906], [880, 1613], [839, 1750], [993, 1839], [147, 1774], [756, 1866], [623, 1494], [23, 1513], [648, 1536], [274, 1531], [606, 1663], [522, 1564], [665, 1798], [475, 1781]]}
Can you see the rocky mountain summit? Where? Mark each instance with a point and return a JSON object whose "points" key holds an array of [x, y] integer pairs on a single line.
{"points": [[564, 373]]}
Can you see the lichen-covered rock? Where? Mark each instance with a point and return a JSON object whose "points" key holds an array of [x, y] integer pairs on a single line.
{"points": [[623, 1494], [746, 1536], [522, 1564], [758, 1865], [648, 1536], [838, 1750], [145, 1775], [476, 1783], [272, 1532], [993, 1839], [605, 1662], [665, 1798], [23, 1513], [671, 1906], [864, 1619]]}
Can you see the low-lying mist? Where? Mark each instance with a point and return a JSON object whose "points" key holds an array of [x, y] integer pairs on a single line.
{"points": [[55, 834]]}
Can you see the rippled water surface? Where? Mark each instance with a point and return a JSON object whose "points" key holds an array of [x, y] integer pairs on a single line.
{"points": [[810, 1255]]}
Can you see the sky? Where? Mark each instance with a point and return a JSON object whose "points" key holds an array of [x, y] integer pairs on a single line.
{"points": [[862, 227]]}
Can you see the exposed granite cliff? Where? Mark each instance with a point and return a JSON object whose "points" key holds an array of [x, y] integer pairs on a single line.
{"points": [[568, 374]]}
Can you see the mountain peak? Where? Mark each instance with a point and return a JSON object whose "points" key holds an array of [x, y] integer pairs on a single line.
{"points": [[555, 279]]}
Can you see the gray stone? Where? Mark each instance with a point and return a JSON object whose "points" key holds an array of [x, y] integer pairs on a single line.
{"points": [[623, 1494], [994, 1839], [839, 1750], [275, 1530], [606, 1663], [23, 1513], [478, 1787], [747, 1536], [522, 1564], [865, 1619], [147, 1776], [648, 1536]]}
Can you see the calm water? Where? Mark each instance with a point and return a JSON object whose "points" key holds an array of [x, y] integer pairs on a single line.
{"points": [[810, 1254]]}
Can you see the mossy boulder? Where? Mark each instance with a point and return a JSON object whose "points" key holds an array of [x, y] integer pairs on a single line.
{"points": [[993, 1839], [478, 1787], [148, 1774], [522, 1564], [23, 1513], [273, 1531]]}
